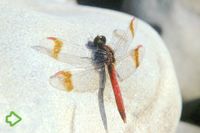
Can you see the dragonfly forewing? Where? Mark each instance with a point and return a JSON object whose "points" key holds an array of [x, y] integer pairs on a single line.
{"points": [[122, 39], [55, 51]]}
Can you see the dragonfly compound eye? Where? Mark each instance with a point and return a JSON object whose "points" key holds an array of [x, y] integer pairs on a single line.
{"points": [[99, 40]]}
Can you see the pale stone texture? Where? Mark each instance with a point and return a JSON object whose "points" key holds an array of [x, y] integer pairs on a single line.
{"points": [[151, 94]]}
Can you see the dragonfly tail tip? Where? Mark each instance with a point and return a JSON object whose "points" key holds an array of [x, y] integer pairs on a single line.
{"points": [[124, 120]]}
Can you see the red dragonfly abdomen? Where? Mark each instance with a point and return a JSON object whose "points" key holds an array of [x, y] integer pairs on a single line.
{"points": [[117, 92]]}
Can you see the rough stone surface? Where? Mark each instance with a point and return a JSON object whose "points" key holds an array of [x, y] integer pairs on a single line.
{"points": [[151, 94]]}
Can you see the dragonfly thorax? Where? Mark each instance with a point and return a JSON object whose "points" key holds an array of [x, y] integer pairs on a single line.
{"points": [[103, 54]]}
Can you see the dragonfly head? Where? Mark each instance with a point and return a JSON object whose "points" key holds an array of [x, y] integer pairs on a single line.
{"points": [[99, 40]]}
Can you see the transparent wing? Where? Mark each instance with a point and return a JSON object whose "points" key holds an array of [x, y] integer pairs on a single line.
{"points": [[55, 52], [78, 80], [126, 67], [122, 39], [67, 58]]}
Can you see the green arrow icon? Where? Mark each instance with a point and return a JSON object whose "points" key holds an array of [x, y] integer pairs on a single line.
{"points": [[12, 119]]}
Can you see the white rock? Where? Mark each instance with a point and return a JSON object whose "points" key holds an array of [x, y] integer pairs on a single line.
{"points": [[151, 95]]}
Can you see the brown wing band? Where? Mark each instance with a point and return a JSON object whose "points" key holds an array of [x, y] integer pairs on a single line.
{"points": [[57, 47], [136, 55], [131, 27], [67, 77]]}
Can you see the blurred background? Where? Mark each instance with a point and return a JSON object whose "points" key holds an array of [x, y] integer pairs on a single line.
{"points": [[178, 23]]}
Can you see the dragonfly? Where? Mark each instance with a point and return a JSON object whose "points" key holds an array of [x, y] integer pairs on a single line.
{"points": [[116, 57]]}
